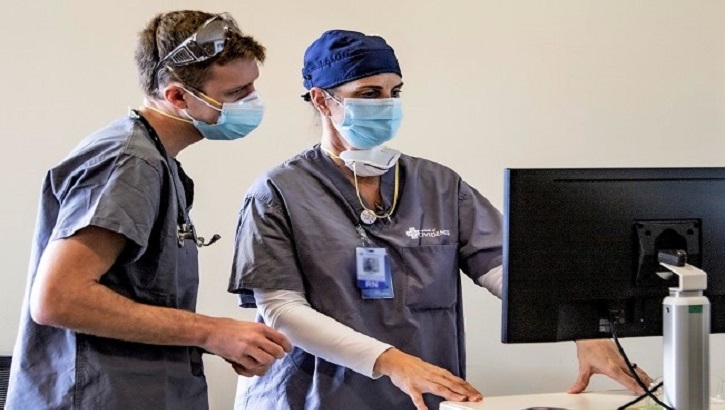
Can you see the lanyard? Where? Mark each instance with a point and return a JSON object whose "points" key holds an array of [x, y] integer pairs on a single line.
{"points": [[368, 216], [184, 228]]}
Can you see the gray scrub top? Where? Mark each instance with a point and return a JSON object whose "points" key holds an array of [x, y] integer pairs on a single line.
{"points": [[297, 231], [115, 179]]}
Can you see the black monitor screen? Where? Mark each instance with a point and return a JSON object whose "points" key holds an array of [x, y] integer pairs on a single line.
{"points": [[581, 245]]}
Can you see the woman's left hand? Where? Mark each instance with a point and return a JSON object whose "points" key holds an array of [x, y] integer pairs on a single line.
{"points": [[414, 377]]}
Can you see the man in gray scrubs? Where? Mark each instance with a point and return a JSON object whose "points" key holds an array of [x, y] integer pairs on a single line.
{"points": [[108, 318], [353, 250]]}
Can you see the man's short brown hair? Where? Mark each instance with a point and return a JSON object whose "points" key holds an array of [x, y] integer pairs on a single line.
{"points": [[166, 31]]}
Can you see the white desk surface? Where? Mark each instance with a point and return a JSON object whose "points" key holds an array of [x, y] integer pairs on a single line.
{"points": [[584, 401]]}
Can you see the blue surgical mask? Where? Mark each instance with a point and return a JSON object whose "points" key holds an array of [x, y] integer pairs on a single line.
{"points": [[236, 120], [368, 122]]}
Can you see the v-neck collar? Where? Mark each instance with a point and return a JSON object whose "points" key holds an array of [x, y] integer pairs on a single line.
{"points": [[347, 188]]}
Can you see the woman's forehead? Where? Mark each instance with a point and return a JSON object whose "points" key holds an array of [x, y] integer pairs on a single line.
{"points": [[383, 80]]}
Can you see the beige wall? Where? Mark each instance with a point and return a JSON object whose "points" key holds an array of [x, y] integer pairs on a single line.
{"points": [[489, 85]]}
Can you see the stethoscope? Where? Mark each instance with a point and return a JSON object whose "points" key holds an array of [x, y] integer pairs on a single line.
{"points": [[184, 228]]}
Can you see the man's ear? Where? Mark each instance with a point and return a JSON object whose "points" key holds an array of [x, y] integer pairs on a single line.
{"points": [[320, 99], [176, 95]]}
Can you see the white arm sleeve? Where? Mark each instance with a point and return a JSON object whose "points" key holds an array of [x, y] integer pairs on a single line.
{"points": [[318, 334], [493, 281]]}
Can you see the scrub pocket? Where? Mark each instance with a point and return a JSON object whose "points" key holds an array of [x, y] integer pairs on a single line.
{"points": [[431, 274]]}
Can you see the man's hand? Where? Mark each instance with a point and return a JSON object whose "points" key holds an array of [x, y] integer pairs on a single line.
{"points": [[67, 293], [249, 347], [415, 377], [601, 357], [243, 371]]}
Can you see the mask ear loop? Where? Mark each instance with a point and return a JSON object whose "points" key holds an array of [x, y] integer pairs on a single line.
{"points": [[331, 97], [194, 94], [165, 114], [204, 99], [341, 104]]}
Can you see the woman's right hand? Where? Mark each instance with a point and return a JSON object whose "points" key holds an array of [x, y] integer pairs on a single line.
{"points": [[415, 377]]}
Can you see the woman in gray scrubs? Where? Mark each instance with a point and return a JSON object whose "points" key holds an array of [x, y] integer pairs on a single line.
{"points": [[354, 251]]}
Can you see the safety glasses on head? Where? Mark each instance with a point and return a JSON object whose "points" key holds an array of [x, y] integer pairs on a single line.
{"points": [[207, 42]]}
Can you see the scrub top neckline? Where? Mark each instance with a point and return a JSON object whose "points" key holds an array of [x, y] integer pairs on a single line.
{"points": [[347, 188]]}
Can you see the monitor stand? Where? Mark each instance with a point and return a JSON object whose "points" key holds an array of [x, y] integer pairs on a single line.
{"points": [[686, 338]]}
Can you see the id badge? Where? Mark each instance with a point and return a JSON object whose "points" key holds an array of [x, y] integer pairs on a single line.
{"points": [[373, 273]]}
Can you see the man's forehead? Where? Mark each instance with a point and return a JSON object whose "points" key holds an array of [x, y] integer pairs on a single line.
{"points": [[233, 74]]}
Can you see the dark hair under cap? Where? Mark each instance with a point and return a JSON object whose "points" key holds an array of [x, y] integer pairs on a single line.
{"points": [[341, 56]]}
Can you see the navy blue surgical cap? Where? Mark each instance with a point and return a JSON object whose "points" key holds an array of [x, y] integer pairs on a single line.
{"points": [[341, 56]]}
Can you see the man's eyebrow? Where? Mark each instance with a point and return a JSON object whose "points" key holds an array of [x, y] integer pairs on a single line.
{"points": [[240, 88]]}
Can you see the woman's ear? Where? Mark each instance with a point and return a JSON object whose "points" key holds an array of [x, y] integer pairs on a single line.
{"points": [[320, 99]]}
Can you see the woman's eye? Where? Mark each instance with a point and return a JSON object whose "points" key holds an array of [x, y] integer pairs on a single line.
{"points": [[370, 94]]}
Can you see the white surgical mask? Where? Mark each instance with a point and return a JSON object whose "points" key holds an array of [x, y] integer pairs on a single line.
{"points": [[370, 162]]}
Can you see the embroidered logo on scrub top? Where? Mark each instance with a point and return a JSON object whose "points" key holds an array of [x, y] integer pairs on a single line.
{"points": [[426, 233]]}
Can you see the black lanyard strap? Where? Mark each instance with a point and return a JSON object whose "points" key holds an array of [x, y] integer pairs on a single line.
{"points": [[185, 229], [182, 219]]}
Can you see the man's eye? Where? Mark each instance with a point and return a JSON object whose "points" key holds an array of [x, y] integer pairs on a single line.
{"points": [[240, 93], [396, 93]]}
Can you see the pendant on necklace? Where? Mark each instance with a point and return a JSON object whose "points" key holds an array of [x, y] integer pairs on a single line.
{"points": [[368, 217]]}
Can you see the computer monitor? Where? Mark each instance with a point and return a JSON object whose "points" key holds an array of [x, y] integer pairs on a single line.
{"points": [[581, 245]]}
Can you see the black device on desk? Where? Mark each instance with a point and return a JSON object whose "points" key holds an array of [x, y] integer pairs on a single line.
{"points": [[4, 378], [581, 246]]}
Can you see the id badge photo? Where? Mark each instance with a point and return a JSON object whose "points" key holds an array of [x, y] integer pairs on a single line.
{"points": [[374, 276]]}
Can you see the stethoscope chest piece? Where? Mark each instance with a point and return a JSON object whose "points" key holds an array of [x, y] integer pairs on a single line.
{"points": [[368, 217]]}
